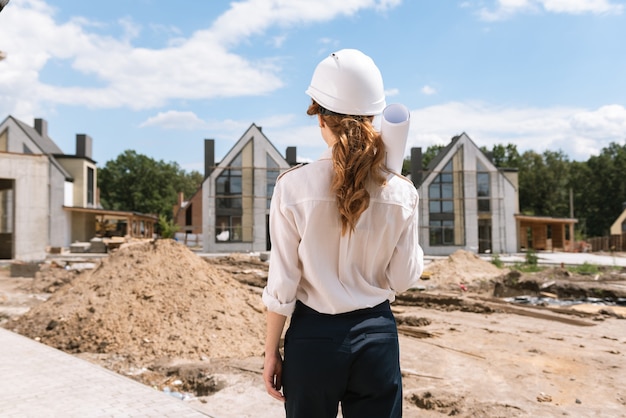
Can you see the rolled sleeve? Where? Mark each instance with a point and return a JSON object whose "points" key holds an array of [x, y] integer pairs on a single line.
{"points": [[284, 268], [274, 305]]}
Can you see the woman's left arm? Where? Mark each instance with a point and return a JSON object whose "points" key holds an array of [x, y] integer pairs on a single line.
{"points": [[273, 364], [407, 261]]}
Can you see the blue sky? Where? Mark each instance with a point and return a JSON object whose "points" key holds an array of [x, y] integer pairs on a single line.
{"points": [[159, 77]]}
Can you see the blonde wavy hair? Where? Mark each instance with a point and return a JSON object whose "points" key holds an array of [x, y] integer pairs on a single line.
{"points": [[358, 161]]}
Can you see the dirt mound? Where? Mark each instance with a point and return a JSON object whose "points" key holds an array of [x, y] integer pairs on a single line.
{"points": [[461, 268], [149, 301], [51, 277]]}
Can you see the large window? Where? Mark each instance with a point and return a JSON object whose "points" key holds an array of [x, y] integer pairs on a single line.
{"points": [[228, 186], [483, 188], [228, 202], [441, 207], [273, 170], [90, 186], [228, 228], [441, 232]]}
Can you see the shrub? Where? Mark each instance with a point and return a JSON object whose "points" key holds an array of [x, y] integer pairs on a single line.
{"points": [[495, 260], [167, 228]]}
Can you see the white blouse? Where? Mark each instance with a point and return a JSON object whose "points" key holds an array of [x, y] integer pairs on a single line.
{"points": [[332, 273]]}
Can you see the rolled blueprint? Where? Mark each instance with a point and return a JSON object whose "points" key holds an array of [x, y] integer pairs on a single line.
{"points": [[394, 128]]}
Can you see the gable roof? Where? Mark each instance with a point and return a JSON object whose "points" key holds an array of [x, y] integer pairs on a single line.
{"points": [[45, 144], [240, 142], [443, 153], [260, 130]]}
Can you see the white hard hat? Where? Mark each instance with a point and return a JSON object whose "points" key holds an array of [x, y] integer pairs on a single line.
{"points": [[348, 82]]}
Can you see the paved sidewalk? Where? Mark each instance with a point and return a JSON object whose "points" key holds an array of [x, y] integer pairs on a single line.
{"points": [[39, 381]]}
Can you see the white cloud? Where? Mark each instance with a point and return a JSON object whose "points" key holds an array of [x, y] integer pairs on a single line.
{"points": [[201, 66], [607, 121], [173, 119], [247, 18], [577, 132], [305, 136], [278, 41], [428, 90], [504, 9], [167, 30], [582, 6], [276, 121], [130, 27]]}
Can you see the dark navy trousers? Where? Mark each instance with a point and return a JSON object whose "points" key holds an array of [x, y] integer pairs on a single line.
{"points": [[351, 358]]}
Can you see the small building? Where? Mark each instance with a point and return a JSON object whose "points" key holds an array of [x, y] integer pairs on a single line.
{"points": [[48, 199], [466, 202], [545, 233], [236, 194]]}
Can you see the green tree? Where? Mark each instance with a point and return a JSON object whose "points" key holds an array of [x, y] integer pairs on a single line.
{"points": [[606, 189], [530, 172], [506, 156], [544, 184], [431, 153], [583, 190], [135, 182], [558, 166], [427, 157]]}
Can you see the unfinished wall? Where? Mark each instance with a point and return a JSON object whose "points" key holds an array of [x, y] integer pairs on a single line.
{"points": [[59, 218], [31, 176], [83, 227]]}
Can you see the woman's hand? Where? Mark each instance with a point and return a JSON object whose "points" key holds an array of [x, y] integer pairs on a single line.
{"points": [[272, 375], [273, 364]]}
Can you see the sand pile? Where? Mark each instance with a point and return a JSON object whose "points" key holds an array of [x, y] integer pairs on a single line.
{"points": [[462, 267], [149, 301]]}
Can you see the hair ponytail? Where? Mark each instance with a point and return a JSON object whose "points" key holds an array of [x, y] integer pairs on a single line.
{"points": [[358, 161]]}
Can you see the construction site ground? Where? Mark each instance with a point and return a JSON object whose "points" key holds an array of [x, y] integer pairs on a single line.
{"points": [[476, 339]]}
